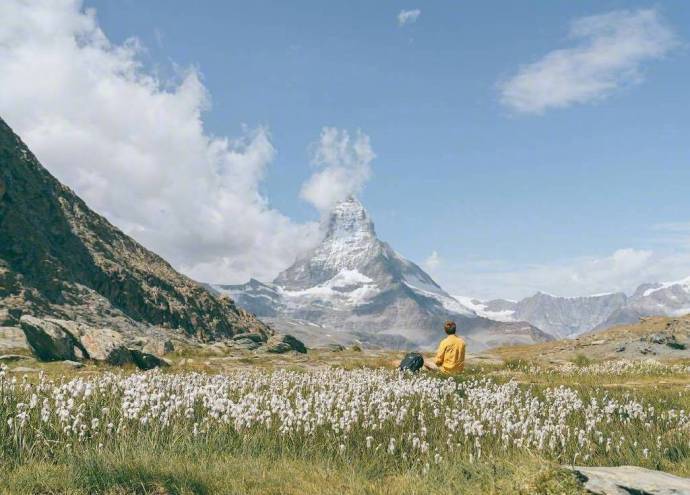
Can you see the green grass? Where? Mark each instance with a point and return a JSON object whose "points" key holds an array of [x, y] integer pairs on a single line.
{"points": [[174, 461], [206, 469]]}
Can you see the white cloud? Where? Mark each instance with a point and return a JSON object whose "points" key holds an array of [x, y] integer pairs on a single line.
{"points": [[134, 147], [433, 261], [344, 166], [408, 16], [608, 53], [623, 270]]}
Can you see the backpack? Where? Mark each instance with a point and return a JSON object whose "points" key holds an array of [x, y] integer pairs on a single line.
{"points": [[413, 361]]}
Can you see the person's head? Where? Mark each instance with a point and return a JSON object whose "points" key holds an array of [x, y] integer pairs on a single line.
{"points": [[450, 327]]}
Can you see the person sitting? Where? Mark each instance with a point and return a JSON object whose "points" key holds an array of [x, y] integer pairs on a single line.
{"points": [[450, 357]]}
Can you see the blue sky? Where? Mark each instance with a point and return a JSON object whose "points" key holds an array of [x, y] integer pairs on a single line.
{"points": [[511, 199]]}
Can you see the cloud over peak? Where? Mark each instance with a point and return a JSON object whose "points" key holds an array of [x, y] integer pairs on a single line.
{"points": [[608, 52], [343, 165]]}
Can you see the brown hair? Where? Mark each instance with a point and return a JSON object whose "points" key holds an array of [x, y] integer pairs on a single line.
{"points": [[450, 327]]}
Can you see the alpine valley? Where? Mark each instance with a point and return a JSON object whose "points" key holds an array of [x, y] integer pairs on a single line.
{"points": [[355, 288]]}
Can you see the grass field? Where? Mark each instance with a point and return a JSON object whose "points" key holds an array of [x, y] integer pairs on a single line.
{"points": [[305, 427]]}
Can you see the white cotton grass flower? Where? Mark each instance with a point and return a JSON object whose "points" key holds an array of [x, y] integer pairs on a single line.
{"points": [[418, 420]]}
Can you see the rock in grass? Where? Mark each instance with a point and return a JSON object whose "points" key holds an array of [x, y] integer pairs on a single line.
{"points": [[11, 358], [280, 343], [105, 345], [49, 341], [254, 337], [73, 364], [624, 480], [147, 361]]}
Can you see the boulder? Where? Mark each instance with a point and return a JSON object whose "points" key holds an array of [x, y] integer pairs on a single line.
{"points": [[335, 347], [147, 361], [280, 343], [254, 337], [11, 358], [624, 480], [105, 345], [245, 343], [13, 338], [158, 346], [73, 364], [49, 341]]}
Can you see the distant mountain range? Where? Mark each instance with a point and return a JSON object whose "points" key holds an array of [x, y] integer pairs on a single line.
{"points": [[572, 316], [354, 287]]}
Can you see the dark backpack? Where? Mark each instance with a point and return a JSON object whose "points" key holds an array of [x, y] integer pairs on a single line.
{"points": [[413, 361]]}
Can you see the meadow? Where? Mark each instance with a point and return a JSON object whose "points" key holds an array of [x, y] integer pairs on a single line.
{"points": [[512, 428]]}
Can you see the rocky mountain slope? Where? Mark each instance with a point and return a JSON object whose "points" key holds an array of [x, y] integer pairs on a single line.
{"points": [[654, 337], [572, 316], [60, 259], [356, 285]]}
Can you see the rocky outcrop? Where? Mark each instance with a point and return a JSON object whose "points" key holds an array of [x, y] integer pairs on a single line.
{"points": [[281, 343], [60, 259], [52, 339], [624, 480], [49, 341]]}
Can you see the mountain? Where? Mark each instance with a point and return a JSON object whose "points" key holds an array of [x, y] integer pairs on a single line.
{"points": [[60, 259], [657, 337], [572, 316], [353, 283]]}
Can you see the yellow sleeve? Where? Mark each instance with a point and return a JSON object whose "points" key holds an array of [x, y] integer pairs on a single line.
{"points": [[462, 355], [440, 354]]}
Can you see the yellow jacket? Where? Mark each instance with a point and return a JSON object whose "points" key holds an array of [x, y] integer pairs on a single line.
{"points": [[450, 357]]}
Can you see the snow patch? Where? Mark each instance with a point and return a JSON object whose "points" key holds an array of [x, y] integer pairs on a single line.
{"points": [[684, 284], [480, 308]]}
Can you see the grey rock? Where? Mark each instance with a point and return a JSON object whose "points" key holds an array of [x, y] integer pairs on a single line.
{"points": [[245, 343], [659, 338], [335, 347], [24, 369], [158, 346], [281, 343], [146, 361], [49, 341], [620, 348], [11, 358], [73, 364], [625, 480], [105, 345], [255, 337], [13, 338]]}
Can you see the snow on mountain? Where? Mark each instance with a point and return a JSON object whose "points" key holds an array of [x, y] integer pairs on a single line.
{"points": [[572, 316], [497, 309], [354, 282]]}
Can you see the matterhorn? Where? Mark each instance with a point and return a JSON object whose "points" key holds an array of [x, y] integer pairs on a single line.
{"points": [[354, 288]]}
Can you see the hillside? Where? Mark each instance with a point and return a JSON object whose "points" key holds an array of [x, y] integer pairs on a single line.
{"points": [[658, 337], [59, 258]]}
